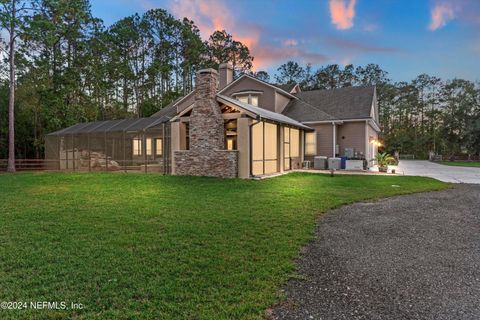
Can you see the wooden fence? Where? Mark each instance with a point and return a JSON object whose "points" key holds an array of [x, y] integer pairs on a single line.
{"points": [[407, 156], [30, 164], [54, 165]]}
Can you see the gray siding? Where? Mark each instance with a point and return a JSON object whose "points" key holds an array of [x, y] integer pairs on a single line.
{"points": [[324, 135], [351, 135]]}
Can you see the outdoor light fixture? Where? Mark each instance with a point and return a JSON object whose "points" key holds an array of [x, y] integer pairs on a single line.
{"points": [[376, 142]]}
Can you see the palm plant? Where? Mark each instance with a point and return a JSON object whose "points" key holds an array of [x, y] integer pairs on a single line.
{"points": [[383, 159]]}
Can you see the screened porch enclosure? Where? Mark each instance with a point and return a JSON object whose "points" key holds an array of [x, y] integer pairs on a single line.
{"points": [[141, 145], [266, 152]]}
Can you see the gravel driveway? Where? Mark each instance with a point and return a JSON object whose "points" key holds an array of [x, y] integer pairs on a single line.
{"points": [[407, 257]]}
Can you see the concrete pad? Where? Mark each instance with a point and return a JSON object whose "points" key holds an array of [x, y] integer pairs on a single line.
{"points": [[439, 171]]}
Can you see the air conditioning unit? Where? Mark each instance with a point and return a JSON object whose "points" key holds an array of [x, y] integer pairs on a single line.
{"points": [[334, 163], [320, 163]]}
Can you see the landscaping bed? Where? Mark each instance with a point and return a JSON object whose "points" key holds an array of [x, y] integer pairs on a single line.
{"points": [[148, 246]]}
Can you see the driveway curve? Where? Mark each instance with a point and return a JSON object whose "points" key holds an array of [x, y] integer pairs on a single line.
{"points": [[407, 257], [439, 171]]}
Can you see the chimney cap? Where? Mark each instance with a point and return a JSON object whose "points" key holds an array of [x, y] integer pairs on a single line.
{"points": [[225, 65], [208, 70]]}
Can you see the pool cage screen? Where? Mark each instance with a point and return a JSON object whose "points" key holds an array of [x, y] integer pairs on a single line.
{"points": [[141, 145]]}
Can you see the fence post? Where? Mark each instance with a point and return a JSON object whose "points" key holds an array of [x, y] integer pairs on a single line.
{"points": [[145, 150], [89, 153], [105, 150], [163, 149]]}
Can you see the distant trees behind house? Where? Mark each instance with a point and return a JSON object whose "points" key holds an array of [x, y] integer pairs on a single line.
{"points": [[72, 68], [423, 115]]}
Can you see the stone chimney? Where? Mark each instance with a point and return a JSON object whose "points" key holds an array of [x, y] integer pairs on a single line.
{"points": [[207, 155], [226, 74], [206, 121]]}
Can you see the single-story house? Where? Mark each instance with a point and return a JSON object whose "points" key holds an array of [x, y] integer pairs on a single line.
{"points": [[228, 128]]}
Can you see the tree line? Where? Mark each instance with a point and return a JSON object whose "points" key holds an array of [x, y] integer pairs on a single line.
{"points": [[69, 67], [61, 65]]}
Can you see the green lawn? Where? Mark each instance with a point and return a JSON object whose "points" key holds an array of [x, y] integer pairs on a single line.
{"points": [[136, 246], [461, 163]]}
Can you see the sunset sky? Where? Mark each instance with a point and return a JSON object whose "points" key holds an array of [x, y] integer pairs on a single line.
{"points": [[405, 37]]}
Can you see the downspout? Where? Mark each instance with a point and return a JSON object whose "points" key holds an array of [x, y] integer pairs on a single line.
{"points": [[334, 138], [145, 149], [367, 143], [124, 152], [89, 154], [106, 151]]}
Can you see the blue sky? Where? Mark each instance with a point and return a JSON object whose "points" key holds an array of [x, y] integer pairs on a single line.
{"points": [[405, 37]]}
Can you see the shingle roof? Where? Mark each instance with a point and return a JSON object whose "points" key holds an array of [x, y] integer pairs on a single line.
{"points": [[286, 87], [263, 113], [167, 112], [302, 111], [342, 103]]}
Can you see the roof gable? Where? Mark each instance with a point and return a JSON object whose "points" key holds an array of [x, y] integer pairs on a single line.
{"points": [[262, 113], [291, 87], [260, 82]]}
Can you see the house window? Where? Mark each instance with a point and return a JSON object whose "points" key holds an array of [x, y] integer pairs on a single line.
{"points": [[137, 146], [250, 99], [310, 143], [243, 99], [254, 101], [184, 136], [231, 144], [148, 147], [231, 134], [158, 147]]}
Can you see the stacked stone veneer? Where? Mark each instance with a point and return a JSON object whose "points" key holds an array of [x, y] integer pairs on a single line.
{"points": [[207, 155]]}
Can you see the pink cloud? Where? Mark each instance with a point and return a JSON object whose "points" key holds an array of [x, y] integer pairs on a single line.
{"points": [[208, 15], [212, 15], [465, 11], [441, 14], [342, 14]]}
